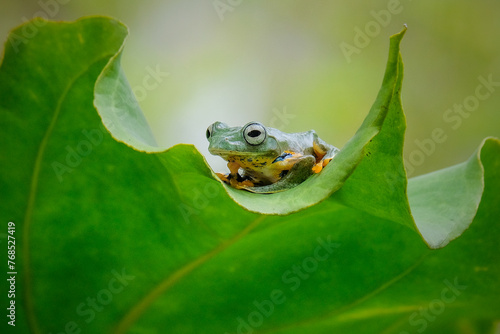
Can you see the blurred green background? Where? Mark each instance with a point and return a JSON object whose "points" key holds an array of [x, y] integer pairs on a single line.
{"points": [[300, 65]]}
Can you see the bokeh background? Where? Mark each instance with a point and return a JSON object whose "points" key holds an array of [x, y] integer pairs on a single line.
{"points": [[300, 65]]}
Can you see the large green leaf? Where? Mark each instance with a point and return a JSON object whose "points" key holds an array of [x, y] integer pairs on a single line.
{"points": [[114, 236]]}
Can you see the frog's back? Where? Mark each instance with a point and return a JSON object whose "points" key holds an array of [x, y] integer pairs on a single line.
{"points": [[299, 142]]}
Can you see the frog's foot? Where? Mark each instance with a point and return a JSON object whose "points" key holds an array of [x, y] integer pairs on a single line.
{"points": [[318, 167], [319, 152], [324, 153], [237, 181], [223, 177], [241, 184], [234, 179]]}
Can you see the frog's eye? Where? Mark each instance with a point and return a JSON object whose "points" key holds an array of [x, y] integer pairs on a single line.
{"points": [[209, 131], [254, 133]]}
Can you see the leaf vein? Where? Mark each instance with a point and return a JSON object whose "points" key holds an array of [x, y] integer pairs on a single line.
{"points": [[33, 188], [342, 310], [136, 311]]}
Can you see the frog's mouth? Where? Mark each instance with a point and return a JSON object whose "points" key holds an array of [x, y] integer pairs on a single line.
{"points": [[238, 155]]}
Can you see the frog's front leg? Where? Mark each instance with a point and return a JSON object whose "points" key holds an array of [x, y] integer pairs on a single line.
{"points": [[297, 174], [323, 152], [234, 178]]}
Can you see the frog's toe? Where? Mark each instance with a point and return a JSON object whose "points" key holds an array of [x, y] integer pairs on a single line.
{"points": [[240, 184], [223, 177], [317, 167], [320, 165], [247, 183], [236, 181]]}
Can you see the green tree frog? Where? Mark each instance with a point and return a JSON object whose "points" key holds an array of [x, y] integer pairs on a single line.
{"points": [[266, 160]]}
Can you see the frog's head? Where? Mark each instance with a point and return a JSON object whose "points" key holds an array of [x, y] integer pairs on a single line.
{"points": [[252, 139]]}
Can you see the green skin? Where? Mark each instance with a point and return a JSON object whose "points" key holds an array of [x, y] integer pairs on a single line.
{"points": [[271, 160]]}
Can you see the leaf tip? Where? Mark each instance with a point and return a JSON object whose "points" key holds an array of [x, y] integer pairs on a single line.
{"points": [[400, 34]]}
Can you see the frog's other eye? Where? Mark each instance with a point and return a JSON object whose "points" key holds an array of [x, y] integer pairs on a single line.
{"points": [[254, 133], [209, 131]]}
